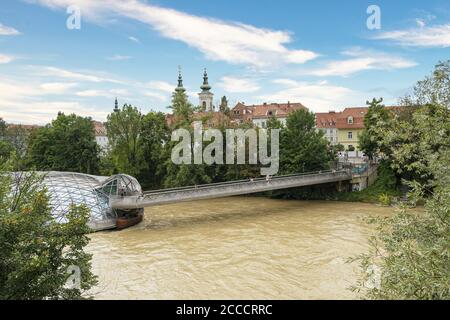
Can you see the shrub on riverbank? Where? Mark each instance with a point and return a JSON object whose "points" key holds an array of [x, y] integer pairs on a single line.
{"points": [[40, 255], [383, 190], [409, 254]]}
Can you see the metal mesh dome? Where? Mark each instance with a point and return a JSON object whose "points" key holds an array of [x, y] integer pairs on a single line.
{"points": [[68, 188]]}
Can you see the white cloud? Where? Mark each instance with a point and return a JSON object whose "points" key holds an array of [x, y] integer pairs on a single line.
{"points": [[238, 85], [420, 22], [8, 31], [93, 93], [31, 102], [4, 58], [318, 97], [90, 93], [118, 57], [41, 112], [72, 75], [161, 86], [156, 95], [56, 87], [423, 36], [134, 39], [361, 60], [233, 42]]}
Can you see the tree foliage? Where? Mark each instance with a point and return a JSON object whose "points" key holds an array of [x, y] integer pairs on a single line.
{"points": [[154, 137], [124, 134], [37, 252], [376, 118], [67, 144], [182, 109], [434, 89], [302, 147], [411, 249]]}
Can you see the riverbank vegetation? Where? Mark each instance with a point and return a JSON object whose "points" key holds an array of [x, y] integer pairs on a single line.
{"points": [[41, 258], [384, 190], [412, 141], [409, 253]]}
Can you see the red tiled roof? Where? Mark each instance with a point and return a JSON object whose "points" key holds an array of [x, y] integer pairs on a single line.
{"points": [[213, 118], [326, 119], [357, 113], [265, 110], [24, 126], [99, 128]]}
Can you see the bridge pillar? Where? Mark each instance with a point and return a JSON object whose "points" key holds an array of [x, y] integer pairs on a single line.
{"points": [[341, 186]]}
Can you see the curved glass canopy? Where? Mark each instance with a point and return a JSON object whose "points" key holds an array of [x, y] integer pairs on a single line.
{"points": [[68, 188]]}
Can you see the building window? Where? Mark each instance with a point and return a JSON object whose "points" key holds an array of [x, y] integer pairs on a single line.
{"points": [[350, 135], [350, 120]]}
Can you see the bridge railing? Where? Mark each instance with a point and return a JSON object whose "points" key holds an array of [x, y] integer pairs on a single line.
{"points": [[235, 182]]}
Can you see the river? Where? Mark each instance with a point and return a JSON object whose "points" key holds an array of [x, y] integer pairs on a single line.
{"points": [[235, 248]]}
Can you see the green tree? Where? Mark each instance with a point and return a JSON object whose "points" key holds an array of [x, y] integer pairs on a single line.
{"points": [[37, 252], [434, 89], [3, 127], [224, 106], [124, 130], [415, 144], [274, 123], [182, 109], [67, 144], [410, 250], [6, 148], [155, 135], [377, 117], [302, 147], [19, 137]]}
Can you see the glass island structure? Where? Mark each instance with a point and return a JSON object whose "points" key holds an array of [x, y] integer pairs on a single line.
{"points": [[95, 192]]}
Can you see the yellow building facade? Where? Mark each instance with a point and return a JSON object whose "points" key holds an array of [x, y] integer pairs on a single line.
{"points": [[350, 124], [348, 137]]}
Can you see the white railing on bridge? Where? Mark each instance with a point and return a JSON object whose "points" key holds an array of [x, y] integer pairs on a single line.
{"points": [[231, 188]]}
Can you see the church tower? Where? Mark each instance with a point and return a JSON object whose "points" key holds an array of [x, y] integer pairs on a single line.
{"points": [[180, 87], [206, 96], [116, 106]]}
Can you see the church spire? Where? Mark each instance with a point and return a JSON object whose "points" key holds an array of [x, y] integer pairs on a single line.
{"points": [[180, 81], [116, 106], [206, 96], [205, 86]]}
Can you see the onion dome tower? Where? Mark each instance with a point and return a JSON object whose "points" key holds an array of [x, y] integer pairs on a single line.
{"points": [[180, 87], [206, 96], [116, 106]]}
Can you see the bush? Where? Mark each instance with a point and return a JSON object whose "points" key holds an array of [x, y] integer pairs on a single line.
{"points": [[38, 253], [410, 249], [384, 187], [384, 199]]}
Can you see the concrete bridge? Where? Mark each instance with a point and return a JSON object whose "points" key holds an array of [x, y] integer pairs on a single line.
{"points": [[226, 189]]}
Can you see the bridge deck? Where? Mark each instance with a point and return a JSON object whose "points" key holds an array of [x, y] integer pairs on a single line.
{"points": [[226, 189]]}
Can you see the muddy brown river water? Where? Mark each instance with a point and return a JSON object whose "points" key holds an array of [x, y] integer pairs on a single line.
{"points": [[235, 248]]}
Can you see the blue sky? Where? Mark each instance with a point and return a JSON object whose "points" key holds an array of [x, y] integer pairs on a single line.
{"points": [[320, 53]]}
